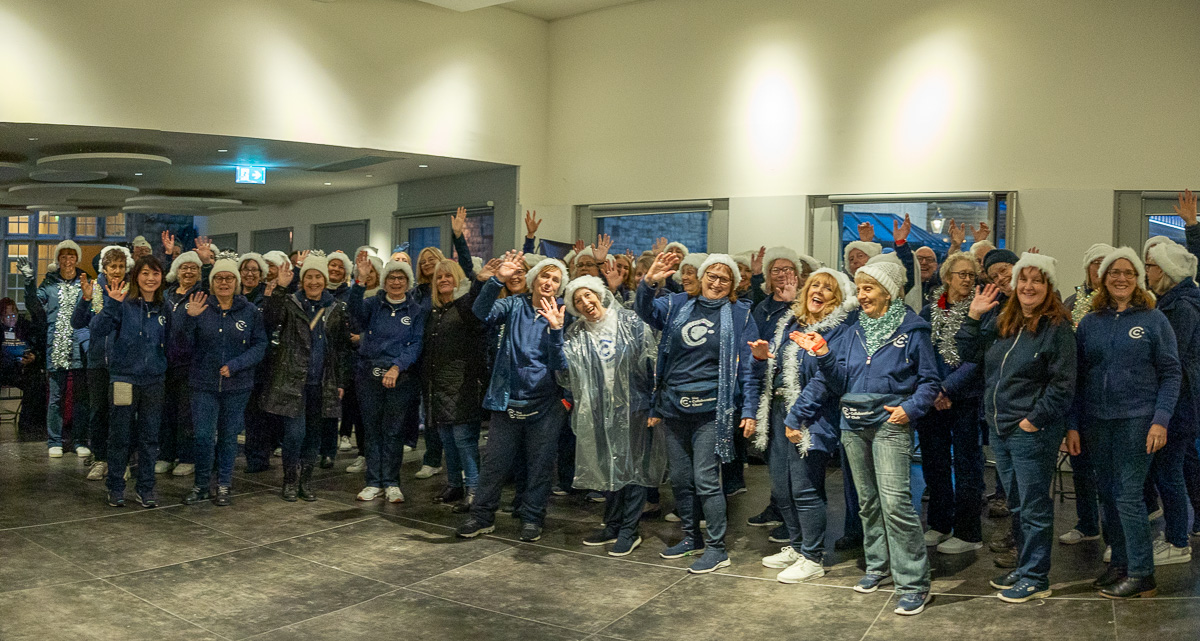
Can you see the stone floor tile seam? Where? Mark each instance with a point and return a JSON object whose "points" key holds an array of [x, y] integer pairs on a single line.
{"points": [[117, 512], [604, 557], [59, 557], [882, 609], [366, 517], [52, 585], [172, 614], [505, 614], [456, 568], [639, 606], [324, 614]]}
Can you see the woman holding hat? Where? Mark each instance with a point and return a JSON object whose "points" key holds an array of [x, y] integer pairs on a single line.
{"points": [[886, 373], [703, 361], [1171, 272], [307, 368], [1129, 379], [230, 329], [1027, 353]]}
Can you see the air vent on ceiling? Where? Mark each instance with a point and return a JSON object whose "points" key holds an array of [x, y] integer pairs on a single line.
{"points": [[353, 163]]}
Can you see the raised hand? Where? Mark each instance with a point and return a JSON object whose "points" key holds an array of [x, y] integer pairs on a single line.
{"points": [[24, 267], [603, 244], [900, 231], [553, 313], [663, 267], [760, 350], [116, 291], [1186, 209], [659, 246], [362, 265], [86, 285], [898, 417], [578, 246], [981, 232], [458, 222], [286, 274], [791, 284], [984, 301], [197, 303], [303, 256], [629, 255], [510, 264], [1034, 250], [532, 222], [957, 234], [489, 269], [756, 260], [866, 232], [612, 275], [168, 242]]}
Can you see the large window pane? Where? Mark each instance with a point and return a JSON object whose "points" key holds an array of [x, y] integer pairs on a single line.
{"points": [[14, 284], [421, 237], [1169, 226], [47, 223], [637, 232], [480, 235], [18, 225], [114, 226], [930, 222], [85, 225]]}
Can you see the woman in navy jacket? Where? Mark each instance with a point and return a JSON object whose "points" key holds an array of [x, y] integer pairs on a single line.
{"points": [[1129, 378], [392, 326], [703, 362], [887, 376], [1028, 356], [139, 321], [233, 342]]}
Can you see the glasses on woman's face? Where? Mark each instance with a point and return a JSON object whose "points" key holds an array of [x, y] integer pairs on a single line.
{"points": [[965, 275], [225, 280], [1122, 274], [780, 271], [717, 280], [395, 278]]}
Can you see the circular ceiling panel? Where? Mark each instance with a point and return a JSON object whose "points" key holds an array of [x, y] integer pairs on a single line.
{"points": [[10, 171], [65, 176], [68, 194], [104, 161], [229, 208], [190, 201]]}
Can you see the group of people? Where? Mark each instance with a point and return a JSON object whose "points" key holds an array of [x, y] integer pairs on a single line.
{"points": [[612, 373]]}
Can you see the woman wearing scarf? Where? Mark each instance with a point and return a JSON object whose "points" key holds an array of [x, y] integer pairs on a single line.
{"points": [[951, 456], [703, 360], [886, 373], [229, 329], [610, 356], [797, 420], [1129, 379], [1028, 356]]}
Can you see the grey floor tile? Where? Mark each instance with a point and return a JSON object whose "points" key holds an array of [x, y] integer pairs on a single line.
{"points": [[135, 540], [249, 591], [988, 618], [575, 591], [388, 550], [88, 610], [419, 617], [1158, 619], [720, 607], [24, 565], [263, 517]]}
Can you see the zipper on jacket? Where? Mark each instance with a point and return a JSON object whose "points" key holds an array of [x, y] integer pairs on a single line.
{"points": [[999, 377]]}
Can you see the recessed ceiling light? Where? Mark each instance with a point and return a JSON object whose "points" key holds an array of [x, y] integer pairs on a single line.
{"points": [[370, 176], [221, 151], [328, 183], [423, 166], [33, 138]]}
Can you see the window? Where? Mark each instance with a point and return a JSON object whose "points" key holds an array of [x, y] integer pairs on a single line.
{"points": [[425, 228], [47, 224], [421, 237], [480, 234], [265, 240], [114, 226], [348, 236], [45, 257], [18, 225], [85, 225], [1143, 214], [636, 232], [14, 284], [930, 218]]}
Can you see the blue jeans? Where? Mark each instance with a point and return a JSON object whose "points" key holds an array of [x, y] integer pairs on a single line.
{"points": [[302, 433], [852, 522], [79, 404], [461, 445], [952, 462], [1118, 450], [218, 418], [176, 434], [1026, 464], [623, 510], [510, 440], [141, 418], [383, 411], [696, 476], [799, 481], [1166, 468], [1087, 495], [880, 459]]}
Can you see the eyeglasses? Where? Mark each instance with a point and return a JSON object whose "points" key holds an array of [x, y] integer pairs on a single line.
{"points": [[964, 275], [580, 263], [783, 270], [717, 280], [224, 279], [396, 277], [1126, 274], [253, 269]]}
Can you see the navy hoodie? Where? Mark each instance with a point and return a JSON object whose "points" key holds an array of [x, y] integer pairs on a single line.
{"points": [[233, 337], [179, 351], [528, 351], [964, 381], [1181, 305], [140, 331], [81, 318], [391, 334], [1128, 365]]}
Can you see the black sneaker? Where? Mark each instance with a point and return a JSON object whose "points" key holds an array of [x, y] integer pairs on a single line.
{"points": [[1111, 577], [625, 546], [147, 499], [1005, 581], [558, 491], [195, 496], [224, 496], [767, 518], [780, 535], [595, 497], [116, 499], [848, 543], [530, 532], [326, 462], [601, 537], [449, 495], [473, 528]]}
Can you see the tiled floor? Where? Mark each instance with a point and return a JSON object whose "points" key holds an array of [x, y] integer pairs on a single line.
{"points": [[73, 568]]}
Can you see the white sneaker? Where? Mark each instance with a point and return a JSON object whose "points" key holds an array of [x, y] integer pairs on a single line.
{"points": [[162, 467], [56, 452], [394, 495], [358, 465], [955, 545], [241, 439], [407, 449], [1167, 554], [278, 453], [82, 452], [426, 472], [344, 444], [1155, 515], [933, 537], [1073, 536], [786, 556], [1108, 554], [369, 493], [184, 469], [98, 472], [801, 570]]}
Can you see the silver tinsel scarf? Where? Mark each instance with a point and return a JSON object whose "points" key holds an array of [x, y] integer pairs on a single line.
{"points": [[64, 334], [946, 323], [1083, 304]]}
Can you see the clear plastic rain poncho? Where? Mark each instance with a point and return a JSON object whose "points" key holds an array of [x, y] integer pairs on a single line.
{"points": [[610, 374]]}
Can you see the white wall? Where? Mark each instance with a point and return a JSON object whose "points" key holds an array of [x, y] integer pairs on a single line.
{"points": [[1063, 101], [386, 74]]}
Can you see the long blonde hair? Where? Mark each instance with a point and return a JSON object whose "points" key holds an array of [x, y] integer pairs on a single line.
{"points": [[446, 265], [437, 253], [800, 305]]}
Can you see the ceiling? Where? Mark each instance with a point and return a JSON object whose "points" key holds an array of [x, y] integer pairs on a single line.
{"points": [[544, 9], [199, 169]]}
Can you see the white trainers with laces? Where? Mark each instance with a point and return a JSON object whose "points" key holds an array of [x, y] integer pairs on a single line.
{"points": [[394, 495], [786, 556], [162, 467], [184, 469], [426, 472], [82, 451], [801, 570], [56, 452], [933, 537], [98, 471], [344, 444], [358, 465], [1167, 554], [1073, 536], [369, 493]]}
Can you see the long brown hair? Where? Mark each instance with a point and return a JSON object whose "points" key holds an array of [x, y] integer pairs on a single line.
{"points": [[145, 261], [1103, 300], [629, 282], [451, 267], [1012, 319]]}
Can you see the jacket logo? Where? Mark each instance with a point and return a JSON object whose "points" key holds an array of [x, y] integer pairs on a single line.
{"points": [[162, 320], [856, 414], [1137, 332], [377, 372], [901, 341], [407, 320], [696, 332], [695, 401], [514, 414], [606, 349], [240, 325]]}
